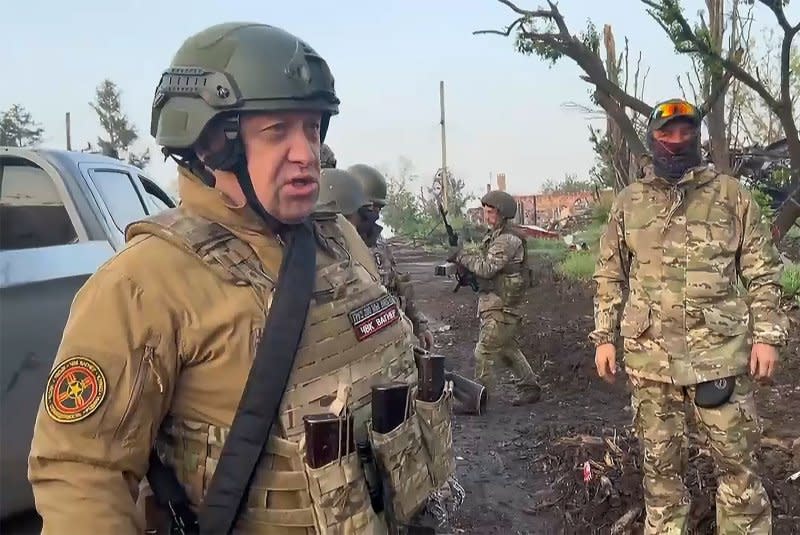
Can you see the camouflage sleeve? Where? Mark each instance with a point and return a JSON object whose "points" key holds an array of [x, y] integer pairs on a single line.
{"points": [[500, 253], [387, 251], [406, 289], [610, 276], [760, 269]]}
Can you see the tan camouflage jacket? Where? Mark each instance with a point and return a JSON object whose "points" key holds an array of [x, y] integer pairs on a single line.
{"points": [[682, 250], [502, 256], [399, 284]]}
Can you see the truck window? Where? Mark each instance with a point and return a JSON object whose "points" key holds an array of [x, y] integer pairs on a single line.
{"points": [[120, 196], [32, 213], [158, 197]]}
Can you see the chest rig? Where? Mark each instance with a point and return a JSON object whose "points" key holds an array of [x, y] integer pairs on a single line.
{"points": [[343, 351], [515, 277]]}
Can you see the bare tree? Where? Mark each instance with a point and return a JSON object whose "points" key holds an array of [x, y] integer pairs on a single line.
{"points": [[544, 32], [698, 42]]}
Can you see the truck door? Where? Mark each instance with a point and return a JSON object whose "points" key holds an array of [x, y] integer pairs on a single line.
{"points": [[45, 256]]}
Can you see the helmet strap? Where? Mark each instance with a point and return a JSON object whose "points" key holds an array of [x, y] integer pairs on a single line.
{"points": [[246, 183]]}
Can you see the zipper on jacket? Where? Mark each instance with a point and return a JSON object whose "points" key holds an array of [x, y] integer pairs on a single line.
{"points": [[138, 386]]}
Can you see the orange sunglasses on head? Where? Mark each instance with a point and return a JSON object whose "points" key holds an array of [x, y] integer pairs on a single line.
{"points": [[673, 109]]}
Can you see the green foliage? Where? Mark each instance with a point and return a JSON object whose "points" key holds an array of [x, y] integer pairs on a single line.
{"points": [[526, 42], [539, 37], [413, 216], [764, 201], [591, 235], [569, 184], [578, 265], [555, 249], [120, 131], [402, 211], [601, 211], [790, 281], [18, 129]]}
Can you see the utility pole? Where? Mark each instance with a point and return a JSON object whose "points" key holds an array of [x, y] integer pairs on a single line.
{"points": [[445, 184], [69, 134]]}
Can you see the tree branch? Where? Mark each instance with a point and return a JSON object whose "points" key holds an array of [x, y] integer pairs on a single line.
{"points": [[566, 44], [504, 33], [776, 6], [717, 90], [617, 113], [700, 46]]}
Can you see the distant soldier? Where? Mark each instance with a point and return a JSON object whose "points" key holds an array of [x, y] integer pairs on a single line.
{"points": [[682, 239], [327, 160], [501, 269], [399, 284]]}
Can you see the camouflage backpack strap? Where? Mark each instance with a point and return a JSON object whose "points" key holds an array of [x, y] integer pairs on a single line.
{"points": [[217, 247], [523, 268]]}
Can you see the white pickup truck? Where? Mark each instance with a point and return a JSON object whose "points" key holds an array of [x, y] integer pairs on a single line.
{"points": [[62, 215]]}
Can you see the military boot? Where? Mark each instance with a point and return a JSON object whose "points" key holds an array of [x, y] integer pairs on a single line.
{"points": [[526, 394]]}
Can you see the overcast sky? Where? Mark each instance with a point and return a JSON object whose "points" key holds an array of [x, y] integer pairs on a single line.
{"points": [[505, 111]]}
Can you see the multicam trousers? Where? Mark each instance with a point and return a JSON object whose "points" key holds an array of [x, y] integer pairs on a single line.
{"points": [[497, 341], [733, 435]]}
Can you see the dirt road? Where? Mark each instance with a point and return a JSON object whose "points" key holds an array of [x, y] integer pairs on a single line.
{"points": [[522, 466]]}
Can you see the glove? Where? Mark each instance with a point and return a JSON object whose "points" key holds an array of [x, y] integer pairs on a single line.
{"points": [[426, 339], [454, 252]]}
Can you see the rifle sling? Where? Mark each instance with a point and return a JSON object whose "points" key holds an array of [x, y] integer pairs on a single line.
{"points": [[265, 385]]}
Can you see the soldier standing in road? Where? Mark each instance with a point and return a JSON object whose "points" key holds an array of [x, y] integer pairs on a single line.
{"points": [[163, 343], [682, 239], [399, 284], [503, 276]]}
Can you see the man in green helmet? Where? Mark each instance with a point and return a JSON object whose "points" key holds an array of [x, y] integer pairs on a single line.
{"points": [[341, 193], [174, 356], [683, 241], [398, 283], [503, 276]]}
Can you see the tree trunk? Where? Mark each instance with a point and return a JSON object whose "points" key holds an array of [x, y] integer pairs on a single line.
{"points": [[790, 210], [620, 153], [720, 152]]}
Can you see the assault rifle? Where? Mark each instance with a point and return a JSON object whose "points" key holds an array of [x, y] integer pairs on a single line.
{"points": [[463, 276]]}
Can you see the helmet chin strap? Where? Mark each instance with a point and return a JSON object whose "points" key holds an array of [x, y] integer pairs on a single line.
{"points": [[246, 183]]}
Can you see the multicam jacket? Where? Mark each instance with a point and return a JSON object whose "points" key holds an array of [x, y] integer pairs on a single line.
{"points": [[399, 285], [500, 270], [682, 249]]}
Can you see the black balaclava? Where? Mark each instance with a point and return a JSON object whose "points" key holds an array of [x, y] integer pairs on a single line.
{"points": [[367, 227], [673, 160]]}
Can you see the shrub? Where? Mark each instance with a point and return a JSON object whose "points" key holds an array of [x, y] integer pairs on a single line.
{"points": [[578, 265]]}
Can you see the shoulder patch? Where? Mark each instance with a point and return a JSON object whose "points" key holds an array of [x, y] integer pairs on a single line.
{"points": [[75, 390]]}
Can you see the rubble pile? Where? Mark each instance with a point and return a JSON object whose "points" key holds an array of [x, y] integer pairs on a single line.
{"points": [[596, 483]]}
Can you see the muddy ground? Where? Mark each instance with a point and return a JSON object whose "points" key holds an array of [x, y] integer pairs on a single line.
{"points": [[522, 467]]}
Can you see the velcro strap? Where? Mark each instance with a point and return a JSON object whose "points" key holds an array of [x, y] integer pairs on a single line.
{"points": [[258, 520], [278, 480]]}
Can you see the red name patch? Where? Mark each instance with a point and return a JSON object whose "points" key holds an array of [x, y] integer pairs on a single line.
{"points": [[374, 317]]}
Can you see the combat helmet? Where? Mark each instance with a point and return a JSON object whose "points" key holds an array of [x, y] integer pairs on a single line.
{"points": [[501, 201], [340, 192], [373, 181], [229, 69], [327, 159]]}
